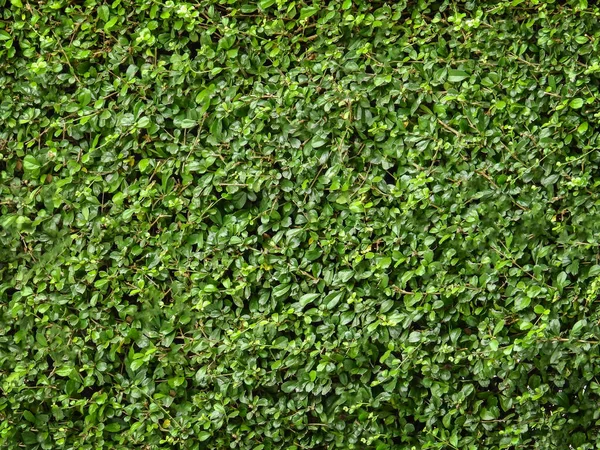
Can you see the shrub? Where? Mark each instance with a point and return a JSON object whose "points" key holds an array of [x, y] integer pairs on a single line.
{"points": [[292, 225]]}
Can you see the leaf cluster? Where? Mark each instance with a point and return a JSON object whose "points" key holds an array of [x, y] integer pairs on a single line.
{"points": [[341, 224]]}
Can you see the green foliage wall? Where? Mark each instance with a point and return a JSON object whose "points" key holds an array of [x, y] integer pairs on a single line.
{"points": [[299, 225]]}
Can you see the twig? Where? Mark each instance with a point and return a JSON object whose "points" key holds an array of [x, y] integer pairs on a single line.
{"points": [[449, 128]]}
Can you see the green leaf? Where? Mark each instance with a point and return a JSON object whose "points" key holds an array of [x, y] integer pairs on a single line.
{"points": [[582, 128], [111, 23], [143, 165], [576, 103], [64, 371], [185, 123], [578, 327], [280, 342], [534, 291], [550, 180], [356, 207], [203, 436], [143, 122], [308, 11], [211, 288], [454, 335], [308, 298], [333, 299], [455, 76], [347, 317], [31, 164], [454, 440], [104, 13], [317, 142], [500, 104], [204, 94], [113, 427], [264, 4], [594, 270], [489, 414], [522, 302], [29, 438], [343, 276], [17, 3], [281, 290], [498, 327], [136, 364], [288, 386], [562, 281]]}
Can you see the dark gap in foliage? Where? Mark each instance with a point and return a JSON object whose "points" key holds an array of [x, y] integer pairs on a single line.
{"points": [[390, 175], [193, 47]]}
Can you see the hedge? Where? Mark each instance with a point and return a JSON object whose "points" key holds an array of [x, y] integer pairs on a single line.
{"points": [[341, 224]]}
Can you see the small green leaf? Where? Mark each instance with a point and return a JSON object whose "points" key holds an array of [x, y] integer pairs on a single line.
{"points": [[29, 416], [343, 276], [281, 290], [113, 427], [498, 327], [104, 13], [454, 440], [582, 128], [534, 291], [280, 342], [136, 364], [356, 207], [143, 122], [29, 438], [550, 180], [204, 94], [455, 76], [562, 281], [454, 335], [143, 165], [288, 386], [110, 24], [317, 142], [308, 298], [307, 12], [488, 414], [185, 123], [210, 288], [64, 371], [522, 302], [31, 164], [333, 299], [347, 317], [579, 325], [576, 103], [594, 270], [203, 436], [264, 4]]}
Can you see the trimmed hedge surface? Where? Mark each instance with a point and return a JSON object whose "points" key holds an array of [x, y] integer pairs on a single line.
{"points": [[299, 225]]}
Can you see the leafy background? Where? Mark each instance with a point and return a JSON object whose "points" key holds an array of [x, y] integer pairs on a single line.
{"points": [[291, 225]]}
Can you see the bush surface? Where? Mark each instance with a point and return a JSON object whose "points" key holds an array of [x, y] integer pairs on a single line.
{"points": [[292, 225]]}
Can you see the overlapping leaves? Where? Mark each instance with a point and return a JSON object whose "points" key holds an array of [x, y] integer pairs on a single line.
{"points": [[269, 225]]}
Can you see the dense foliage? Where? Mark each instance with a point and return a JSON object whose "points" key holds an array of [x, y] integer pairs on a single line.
{"points": [[292, 225]]}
